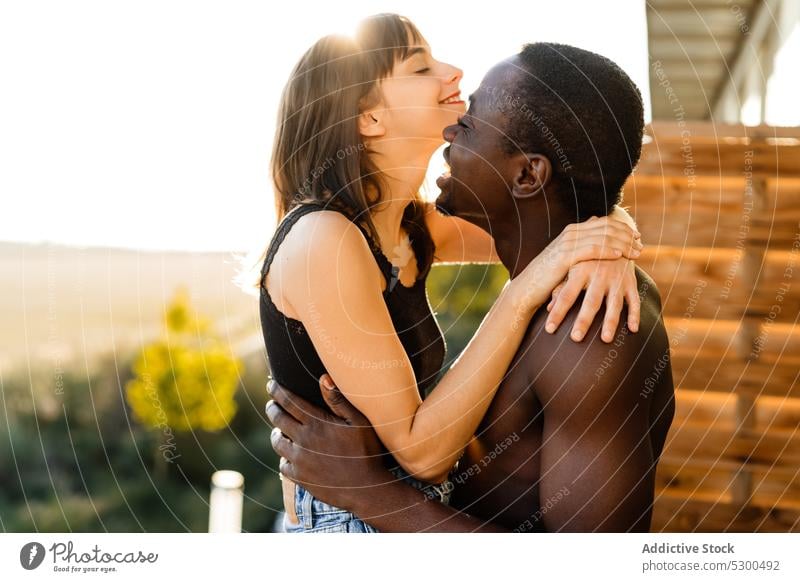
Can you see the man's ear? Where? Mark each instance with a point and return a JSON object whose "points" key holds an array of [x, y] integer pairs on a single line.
{"points": [[533, 174], [369, 123]]}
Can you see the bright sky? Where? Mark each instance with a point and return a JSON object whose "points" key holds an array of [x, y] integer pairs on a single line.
{"points": [[148, 124]]}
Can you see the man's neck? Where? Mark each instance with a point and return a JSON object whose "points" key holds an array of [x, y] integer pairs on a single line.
{"points": [[525, 234]]}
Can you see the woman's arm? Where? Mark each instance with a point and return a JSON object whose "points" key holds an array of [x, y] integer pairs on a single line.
{"points": [[620, 213], [458, 241], [329, 277]]}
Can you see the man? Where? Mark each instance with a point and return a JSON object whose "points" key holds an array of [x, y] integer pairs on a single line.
{"points": [[572, 438]]}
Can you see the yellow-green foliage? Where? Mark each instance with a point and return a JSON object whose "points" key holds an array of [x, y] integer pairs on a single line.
{"points": [[187, 379]]}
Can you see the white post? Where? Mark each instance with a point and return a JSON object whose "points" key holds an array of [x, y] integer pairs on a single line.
{"points": [[225, 505]]}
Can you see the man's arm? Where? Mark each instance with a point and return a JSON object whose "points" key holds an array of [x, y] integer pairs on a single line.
{"points": [[340, 460], [596, 459], [400, 508]]}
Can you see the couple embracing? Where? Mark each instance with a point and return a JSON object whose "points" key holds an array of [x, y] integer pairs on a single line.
{"points": [[523, 432]]}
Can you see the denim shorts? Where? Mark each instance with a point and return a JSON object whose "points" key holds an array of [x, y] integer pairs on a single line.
{"points": [[316, 516]]}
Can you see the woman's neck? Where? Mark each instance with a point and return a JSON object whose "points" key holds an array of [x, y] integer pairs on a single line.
{"points": [[401, 179]]}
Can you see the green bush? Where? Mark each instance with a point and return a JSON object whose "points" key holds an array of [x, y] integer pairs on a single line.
{"points": [[78, 455]]}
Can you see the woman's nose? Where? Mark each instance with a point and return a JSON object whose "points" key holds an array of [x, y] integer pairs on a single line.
{"points": [[454, 74]]}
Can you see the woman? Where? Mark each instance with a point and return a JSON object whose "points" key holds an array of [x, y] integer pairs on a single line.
{"points": [[343, 282]]}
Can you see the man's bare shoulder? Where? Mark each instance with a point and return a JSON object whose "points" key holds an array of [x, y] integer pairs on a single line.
{"points": [[554, 362], [650, 318]]}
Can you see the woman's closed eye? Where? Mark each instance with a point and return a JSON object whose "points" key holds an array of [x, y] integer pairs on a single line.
{"points": [[422, 71]]}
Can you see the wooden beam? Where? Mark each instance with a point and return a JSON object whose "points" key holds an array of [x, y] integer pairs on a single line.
{"points": [[761, 21]]}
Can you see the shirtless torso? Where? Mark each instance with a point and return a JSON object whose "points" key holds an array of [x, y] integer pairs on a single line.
{"points": [[573, 435]]}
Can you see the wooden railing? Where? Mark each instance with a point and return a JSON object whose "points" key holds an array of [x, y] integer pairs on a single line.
{"points": [[719, 209]]}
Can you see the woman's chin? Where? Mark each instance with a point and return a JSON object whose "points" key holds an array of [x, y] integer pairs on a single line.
{"points": [[451, 113], [459, 107]]}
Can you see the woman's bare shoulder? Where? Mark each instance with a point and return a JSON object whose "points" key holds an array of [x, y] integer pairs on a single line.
{"points": [[322, 246]]}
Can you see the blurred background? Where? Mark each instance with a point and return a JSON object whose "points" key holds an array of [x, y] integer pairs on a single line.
{"points": [[134, 176]]}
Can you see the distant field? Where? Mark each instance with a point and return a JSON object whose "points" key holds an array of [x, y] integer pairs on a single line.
{"points": [[63, 304]]}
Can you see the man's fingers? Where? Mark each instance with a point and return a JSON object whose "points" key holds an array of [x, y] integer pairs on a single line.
{"points": [[287, 469], [340, 406], [282, 420], [565, 300], [592, 302], [281, 445], [299, 408]]}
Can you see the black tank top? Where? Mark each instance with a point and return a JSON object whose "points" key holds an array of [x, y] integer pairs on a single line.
{"points": [[293, 360]]}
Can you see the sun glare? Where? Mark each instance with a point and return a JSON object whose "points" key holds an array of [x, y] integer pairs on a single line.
{"points": [[162, 139]]}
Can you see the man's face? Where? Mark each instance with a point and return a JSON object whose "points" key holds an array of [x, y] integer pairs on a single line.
{"points": [[478, 188]]}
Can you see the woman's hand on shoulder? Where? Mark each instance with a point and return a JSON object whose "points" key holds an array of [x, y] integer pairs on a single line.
{"points": [[602, 239], [611, 281]]}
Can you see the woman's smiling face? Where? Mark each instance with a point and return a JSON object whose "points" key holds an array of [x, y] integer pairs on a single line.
{"points": [[420, 98]]}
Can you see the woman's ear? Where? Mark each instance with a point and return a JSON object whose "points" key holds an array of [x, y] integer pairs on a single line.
{"points": [[533, 174], [369, 123]]}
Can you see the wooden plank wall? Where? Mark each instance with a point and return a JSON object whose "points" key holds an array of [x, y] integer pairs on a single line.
{"points": [[719, 209]]}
